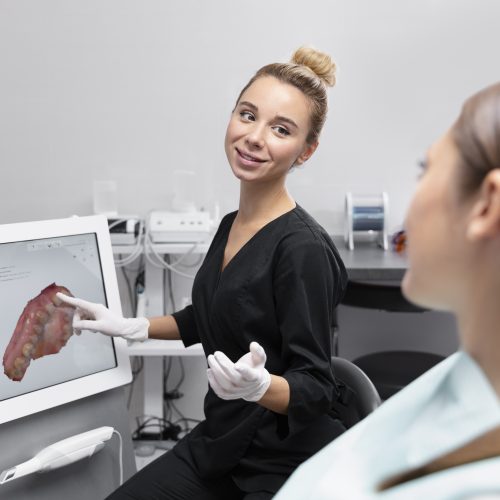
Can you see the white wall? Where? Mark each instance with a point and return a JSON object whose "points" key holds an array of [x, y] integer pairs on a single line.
{"points": [[131, 90]]}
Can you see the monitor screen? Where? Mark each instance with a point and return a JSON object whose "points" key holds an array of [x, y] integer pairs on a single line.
{"points": [[44, 362]]}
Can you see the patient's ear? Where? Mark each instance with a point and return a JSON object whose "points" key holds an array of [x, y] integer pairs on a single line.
{"points": [[485, 217]]}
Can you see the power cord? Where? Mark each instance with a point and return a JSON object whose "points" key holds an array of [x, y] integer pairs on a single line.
{"points": [[137, 249], [137, 367], [182, 424], [165, 430], [120, 454]]}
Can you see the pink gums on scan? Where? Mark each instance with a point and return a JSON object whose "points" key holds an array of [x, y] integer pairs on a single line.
{"points": [[43, 328]]}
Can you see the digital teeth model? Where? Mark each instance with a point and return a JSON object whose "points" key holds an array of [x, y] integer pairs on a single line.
{"points": [[43, 328]]}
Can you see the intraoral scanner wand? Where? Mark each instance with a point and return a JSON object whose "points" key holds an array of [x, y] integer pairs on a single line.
{"points": [[62, 453]]}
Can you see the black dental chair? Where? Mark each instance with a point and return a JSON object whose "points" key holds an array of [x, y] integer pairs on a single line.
{"points": [[359, 397], [389, 371]]}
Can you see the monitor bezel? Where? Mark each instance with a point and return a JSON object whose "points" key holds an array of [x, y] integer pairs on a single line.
{"points": [[71, 390]]}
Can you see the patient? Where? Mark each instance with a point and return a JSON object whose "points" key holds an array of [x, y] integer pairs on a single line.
{"points": [[440, 437]]}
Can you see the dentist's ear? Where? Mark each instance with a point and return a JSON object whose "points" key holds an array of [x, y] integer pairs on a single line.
{"points": [[485, 217], [307, 153]]}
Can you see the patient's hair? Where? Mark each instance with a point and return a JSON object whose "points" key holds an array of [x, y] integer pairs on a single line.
{"points": [[476, 134], [311, 71]]}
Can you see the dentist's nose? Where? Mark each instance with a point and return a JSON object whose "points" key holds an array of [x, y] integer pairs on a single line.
{"points": [[255, 137]]}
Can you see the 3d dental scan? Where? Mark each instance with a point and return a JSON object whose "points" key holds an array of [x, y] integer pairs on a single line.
{"points": [[36, 338], [43, 328]]}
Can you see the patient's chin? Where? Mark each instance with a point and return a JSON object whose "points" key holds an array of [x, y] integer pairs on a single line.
{"points": [[423, 294], [412, 291]]}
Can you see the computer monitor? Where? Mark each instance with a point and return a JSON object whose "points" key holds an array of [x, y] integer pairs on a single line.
{"points": [[44, 363]]}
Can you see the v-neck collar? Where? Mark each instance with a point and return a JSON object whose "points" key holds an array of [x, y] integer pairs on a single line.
{"points": [[247, 243]]}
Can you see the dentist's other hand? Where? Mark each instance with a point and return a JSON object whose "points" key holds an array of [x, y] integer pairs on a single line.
{"points": [[247, 378], [98, 318]]}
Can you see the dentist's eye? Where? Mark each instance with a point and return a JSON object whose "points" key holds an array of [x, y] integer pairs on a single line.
{"points": [[247, 116], [281, 131]]}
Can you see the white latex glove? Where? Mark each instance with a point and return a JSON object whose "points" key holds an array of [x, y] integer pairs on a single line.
{"points": [[98, 318], [247, 378]]}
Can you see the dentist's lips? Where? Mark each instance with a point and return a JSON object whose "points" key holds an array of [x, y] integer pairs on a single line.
{"points": [[248, 159]]}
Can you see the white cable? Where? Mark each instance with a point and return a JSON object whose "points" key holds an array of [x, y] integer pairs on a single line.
{"points": [[164, 265], [120, 454], [146, 245], [129, 258], [184, 255], [160, 263], [194, 264], [117, 221], [137, 250]]}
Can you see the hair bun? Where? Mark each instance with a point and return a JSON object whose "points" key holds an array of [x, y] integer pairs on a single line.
{"points": [[318, 62]]}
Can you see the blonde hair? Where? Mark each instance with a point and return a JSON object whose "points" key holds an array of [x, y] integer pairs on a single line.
{"points": [[476, 134], [311, 71]]}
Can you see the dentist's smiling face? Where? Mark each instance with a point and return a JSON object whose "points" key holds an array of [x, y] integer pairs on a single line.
{"points": [[267, 131]]}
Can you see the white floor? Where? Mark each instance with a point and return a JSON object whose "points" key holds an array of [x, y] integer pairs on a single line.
{"points": [[147, 451]]}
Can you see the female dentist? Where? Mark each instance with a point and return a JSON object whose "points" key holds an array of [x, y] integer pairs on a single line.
{"points": [[263, 303], [439, 438]]}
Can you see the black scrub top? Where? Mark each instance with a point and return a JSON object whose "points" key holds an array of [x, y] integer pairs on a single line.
{"points": [[280, 290]]}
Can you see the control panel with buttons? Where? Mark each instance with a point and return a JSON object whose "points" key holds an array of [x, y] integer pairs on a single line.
{"points": [[179, 227]]}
